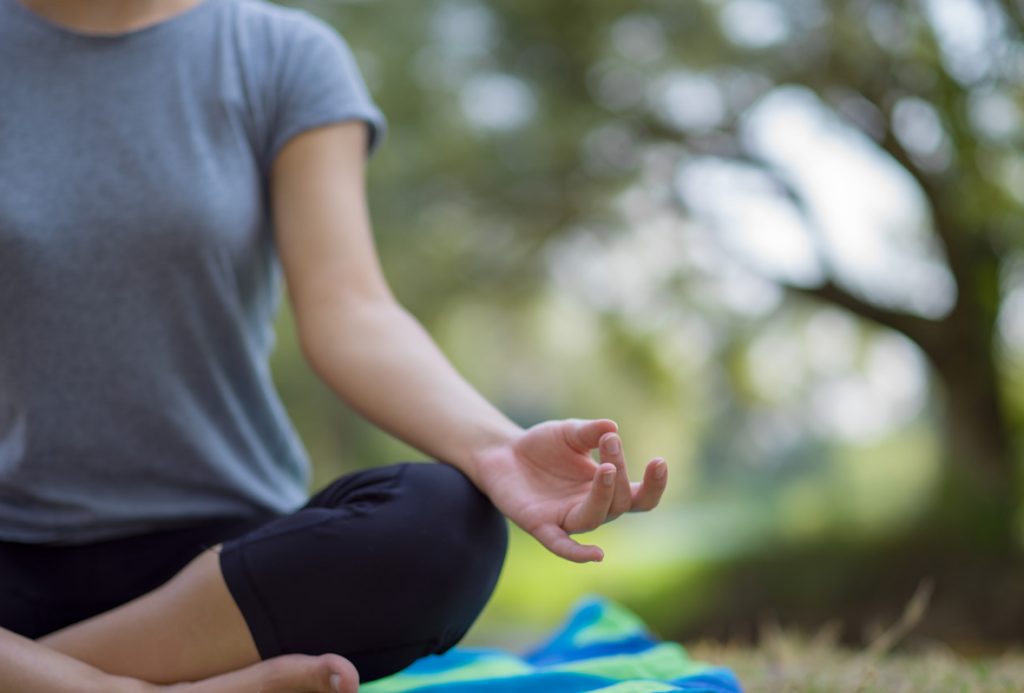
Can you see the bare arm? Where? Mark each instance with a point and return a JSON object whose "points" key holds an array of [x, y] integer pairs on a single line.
{"points": [[381, 361], [369, 349]]}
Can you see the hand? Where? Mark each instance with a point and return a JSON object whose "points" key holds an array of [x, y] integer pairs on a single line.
{"points": [[546, 482]]}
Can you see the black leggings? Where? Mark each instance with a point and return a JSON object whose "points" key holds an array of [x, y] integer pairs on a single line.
{"points": [[383, 566]]}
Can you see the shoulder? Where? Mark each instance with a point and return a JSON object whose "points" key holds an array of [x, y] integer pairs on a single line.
{"points": [[282, 26], [302, 71]]}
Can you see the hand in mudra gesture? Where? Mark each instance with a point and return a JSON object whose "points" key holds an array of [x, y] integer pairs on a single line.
{"points": [[547, 483]]}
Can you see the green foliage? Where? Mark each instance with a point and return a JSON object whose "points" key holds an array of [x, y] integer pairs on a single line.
{"points": [[560, 262]]}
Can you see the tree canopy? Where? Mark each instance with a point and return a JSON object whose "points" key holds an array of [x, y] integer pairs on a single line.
{"points": [[796, 222]]}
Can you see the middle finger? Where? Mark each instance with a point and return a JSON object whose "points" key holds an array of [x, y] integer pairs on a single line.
{"points": [[610, 448]]}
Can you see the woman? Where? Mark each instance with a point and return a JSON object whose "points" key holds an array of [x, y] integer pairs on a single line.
{"points": [[159, 161]]}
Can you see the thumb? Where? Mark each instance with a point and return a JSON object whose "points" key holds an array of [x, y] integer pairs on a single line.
{"points": [[557, 541]]}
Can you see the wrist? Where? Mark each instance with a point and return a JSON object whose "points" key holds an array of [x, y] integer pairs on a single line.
{"points": [[491, 439]]}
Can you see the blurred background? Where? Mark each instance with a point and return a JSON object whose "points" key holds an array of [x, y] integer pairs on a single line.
{"points": [[779, 242]]}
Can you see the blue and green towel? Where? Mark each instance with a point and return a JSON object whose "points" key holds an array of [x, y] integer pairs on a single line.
{"points": [[601, 647]]}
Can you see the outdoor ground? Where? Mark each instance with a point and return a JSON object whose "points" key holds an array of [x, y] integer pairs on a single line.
{"points": [[785, 663]]}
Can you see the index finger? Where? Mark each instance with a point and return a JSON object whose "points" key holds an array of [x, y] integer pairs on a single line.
{"points": [[583, 435]]}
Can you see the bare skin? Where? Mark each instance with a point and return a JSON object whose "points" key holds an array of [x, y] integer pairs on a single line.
{"points": [[108, 16], [30, 668], [542, 478], [185, 630]]}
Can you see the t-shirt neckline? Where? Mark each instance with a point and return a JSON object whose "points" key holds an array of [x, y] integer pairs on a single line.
{"points": [[163, 24]]}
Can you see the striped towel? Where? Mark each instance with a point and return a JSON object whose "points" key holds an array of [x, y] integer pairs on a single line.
{"points": [[601, 647]]}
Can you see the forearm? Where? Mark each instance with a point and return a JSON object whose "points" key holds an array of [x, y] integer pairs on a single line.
{"points": [[377, 357]]}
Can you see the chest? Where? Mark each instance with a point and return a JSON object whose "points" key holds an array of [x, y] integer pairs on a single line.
{"points": [[156, 162]]}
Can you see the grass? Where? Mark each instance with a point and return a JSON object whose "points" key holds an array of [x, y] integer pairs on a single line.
{"points": [[785, 662]]}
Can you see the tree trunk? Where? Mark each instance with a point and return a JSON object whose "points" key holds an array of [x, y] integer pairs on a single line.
{"points": [[977, 503]]}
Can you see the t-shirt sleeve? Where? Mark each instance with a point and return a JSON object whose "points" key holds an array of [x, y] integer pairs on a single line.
{"points": [[318, 83]]}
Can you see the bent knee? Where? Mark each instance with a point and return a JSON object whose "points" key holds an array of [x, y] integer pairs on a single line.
{"points": [[439, 549], [460, 544], [394, 572], [442, 497]]}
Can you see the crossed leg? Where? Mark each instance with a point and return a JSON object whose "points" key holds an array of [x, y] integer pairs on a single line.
{"points": [[382, 567], [28, 666], [187, 629]]}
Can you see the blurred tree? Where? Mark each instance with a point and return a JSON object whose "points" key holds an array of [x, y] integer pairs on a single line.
{"points": [[936, 90], [923, 81], [516, 124]]}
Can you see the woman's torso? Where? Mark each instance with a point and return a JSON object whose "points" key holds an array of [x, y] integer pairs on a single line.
{"points": [[137, 275]]}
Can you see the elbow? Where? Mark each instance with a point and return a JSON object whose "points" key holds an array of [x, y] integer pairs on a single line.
{"points": [[313, 348], [329, 331], [322, 340]]}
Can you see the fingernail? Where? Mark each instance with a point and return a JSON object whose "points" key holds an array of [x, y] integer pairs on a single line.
{"points": [[613, 446], [335, 683], [608, 478], [661, 470]]}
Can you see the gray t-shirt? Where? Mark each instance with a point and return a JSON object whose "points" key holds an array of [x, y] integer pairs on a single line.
{"points": [[138, 276]]}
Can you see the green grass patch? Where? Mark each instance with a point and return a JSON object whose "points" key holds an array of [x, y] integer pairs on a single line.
{"points": [[785, 663]]}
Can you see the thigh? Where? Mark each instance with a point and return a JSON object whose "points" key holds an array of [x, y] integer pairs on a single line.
{"points": [[45, 588], [382, 567]]}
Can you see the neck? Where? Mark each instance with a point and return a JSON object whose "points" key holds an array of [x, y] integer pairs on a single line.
{"points": [[107, 16]]}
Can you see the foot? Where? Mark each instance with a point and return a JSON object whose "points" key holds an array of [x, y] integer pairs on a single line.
{"points": [[287, 674]]}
